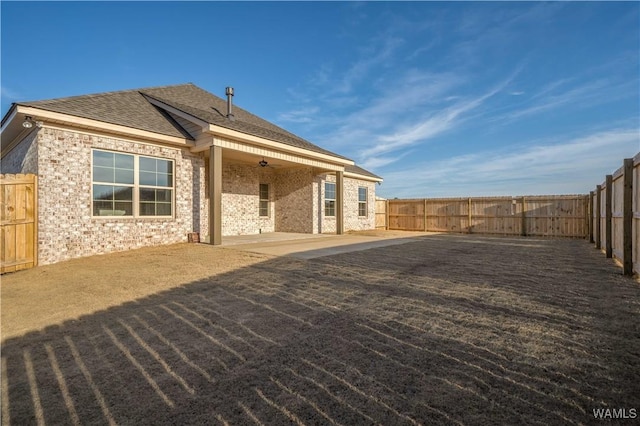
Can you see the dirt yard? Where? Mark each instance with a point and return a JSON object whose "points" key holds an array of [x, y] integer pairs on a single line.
{"points": [[446, 329]]}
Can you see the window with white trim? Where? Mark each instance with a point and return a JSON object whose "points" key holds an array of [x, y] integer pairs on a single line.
{"points": [[131, 185], [329, 199], [264, 200], [362, 201]]}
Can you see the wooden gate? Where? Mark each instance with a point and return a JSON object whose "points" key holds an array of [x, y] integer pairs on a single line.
{"points": [[381, 214], [18, 222]]}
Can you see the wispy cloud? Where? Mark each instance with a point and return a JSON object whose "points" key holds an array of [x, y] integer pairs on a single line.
{"points": [[423, 129], [430, 127], [372, 56], [396, 106], [544, 101], [302, 115], [414, 86], [570, 167]]}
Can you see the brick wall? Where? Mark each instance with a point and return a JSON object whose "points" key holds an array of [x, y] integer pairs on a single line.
{"points": [[352, 222], [290, 193], [294, 208], [241, 199], [23, 158], [62, 160], [66, 227], [297, 201]]}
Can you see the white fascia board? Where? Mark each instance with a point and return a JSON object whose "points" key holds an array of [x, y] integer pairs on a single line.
{"points": [[9, 119], [362, 177]]}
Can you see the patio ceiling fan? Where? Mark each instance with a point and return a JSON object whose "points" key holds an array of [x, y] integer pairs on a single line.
{"points": [[264, 163]]}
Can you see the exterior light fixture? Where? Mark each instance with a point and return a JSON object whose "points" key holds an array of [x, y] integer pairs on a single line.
{"points": [[28, 122]]}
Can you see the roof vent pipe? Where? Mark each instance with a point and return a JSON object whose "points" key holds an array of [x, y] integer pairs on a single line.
{"points": [[229, 92]]}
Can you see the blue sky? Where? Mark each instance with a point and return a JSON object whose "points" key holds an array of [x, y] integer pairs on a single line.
{"points": [[440, 99]]}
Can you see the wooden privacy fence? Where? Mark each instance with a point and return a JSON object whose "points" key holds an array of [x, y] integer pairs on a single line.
{"points": [[18, 222], [551, 216], [615, 215]]}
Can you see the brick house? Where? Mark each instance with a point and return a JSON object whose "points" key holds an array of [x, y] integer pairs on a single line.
{"points": [[134, 168]]}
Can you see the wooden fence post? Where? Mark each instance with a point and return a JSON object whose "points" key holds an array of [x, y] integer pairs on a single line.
{"points": [[386, 214], [523, 232], [591, 216], [470, 216], [627, 218], [608, 247], [587, 216], [599, 217], [425, 215]]}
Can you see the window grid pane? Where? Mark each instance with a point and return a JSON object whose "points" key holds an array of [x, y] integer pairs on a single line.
{"points": [[155, 202], [362, 209], [113, 168], [264, 191], [264, 209], [362, 201], [329, 208], [155, 173], [154, 193], [111, 200], [263, 204], [329, 191], [362, 194], [329, 199]]}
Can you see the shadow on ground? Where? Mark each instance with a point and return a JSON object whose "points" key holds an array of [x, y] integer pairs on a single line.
{"points": [[444, 330]]}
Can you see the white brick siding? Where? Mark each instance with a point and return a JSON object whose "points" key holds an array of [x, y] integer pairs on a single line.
{"points": [[23, 158], [62, 160], [66, 227], [241, 199], [352, 222], [294, 206]]}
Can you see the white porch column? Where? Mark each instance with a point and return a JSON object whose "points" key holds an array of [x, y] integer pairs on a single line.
{"points": [[339, 203], [215, 195]]}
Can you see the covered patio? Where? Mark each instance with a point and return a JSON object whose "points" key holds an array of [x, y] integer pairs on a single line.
{"points": [[293, 185]]}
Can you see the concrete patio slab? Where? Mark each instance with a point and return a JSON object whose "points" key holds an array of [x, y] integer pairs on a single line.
{"points": [[310, 246]]}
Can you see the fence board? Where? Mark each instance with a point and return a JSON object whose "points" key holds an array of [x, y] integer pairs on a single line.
{"points": [[18, 222], [619, 225], [636, 214], [603, 215], [557, 216]]}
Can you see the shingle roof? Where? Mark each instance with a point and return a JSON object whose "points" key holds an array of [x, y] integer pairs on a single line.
{"points": [[360, 171], [126, 108], [132, 108], [212, 109]]}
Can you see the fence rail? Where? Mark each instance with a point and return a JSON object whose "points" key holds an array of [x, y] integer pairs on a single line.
{"points": [[553, 216], [18, 222], [615, 215]]}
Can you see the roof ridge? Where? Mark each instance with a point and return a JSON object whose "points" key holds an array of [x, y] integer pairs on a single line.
{"points": [[179, 105]]}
